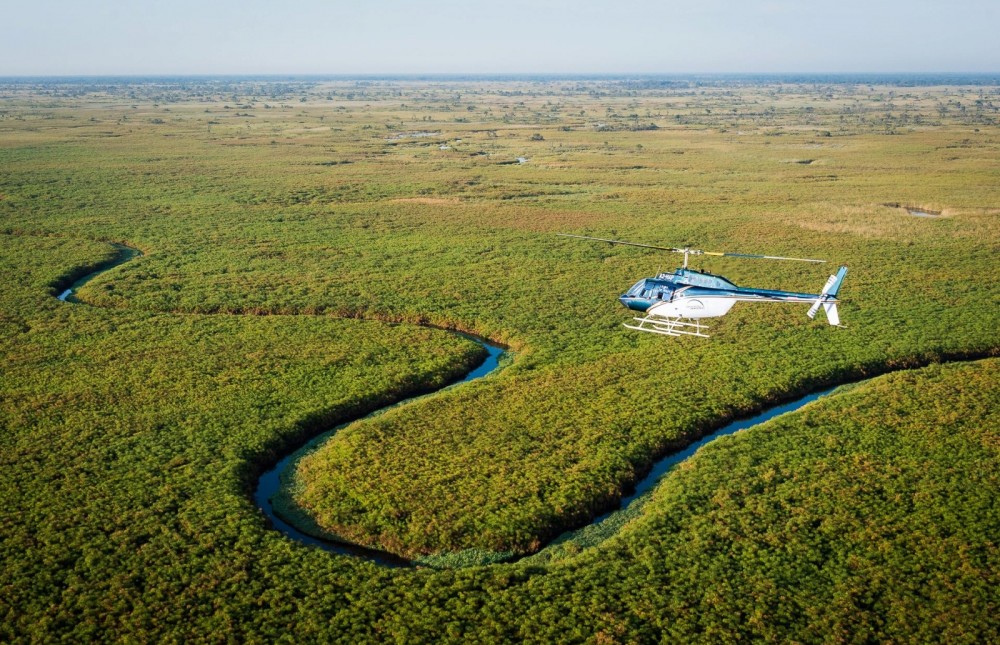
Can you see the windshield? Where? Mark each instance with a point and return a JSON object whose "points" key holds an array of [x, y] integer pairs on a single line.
{"points": [[637, 288], [651, 289]]}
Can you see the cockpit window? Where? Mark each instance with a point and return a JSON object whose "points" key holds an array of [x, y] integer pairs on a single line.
{"points": [[637, 288], [652, 289]]}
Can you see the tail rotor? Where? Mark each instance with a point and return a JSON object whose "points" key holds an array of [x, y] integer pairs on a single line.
{"points": [[828, 298]]}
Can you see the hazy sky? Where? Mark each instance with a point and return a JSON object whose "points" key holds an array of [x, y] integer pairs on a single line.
{"points": [[469, 36]]}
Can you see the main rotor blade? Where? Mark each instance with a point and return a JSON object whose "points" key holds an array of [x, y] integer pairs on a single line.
{"points": [[761, 257], [645, 246], [693, 251]]}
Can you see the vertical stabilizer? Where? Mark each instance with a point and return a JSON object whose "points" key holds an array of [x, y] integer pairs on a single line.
{"points": [[838, 280], [831, 312]]}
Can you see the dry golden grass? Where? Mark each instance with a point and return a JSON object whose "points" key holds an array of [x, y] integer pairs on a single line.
{"points": [[432, 201]]}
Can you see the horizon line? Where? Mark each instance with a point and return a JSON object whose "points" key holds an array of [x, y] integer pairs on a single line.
{"points": [[360, 75]]}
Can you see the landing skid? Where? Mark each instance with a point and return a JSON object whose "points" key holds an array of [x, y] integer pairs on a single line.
{"points": [[669, 326]]}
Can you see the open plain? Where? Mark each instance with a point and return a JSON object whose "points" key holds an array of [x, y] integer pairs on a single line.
{"points": [[306, 243]]}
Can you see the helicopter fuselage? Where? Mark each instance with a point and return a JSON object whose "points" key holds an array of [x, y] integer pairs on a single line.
{"points": [[669, 298], [692, 294]]}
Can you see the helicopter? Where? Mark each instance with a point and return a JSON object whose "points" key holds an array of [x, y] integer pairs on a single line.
{"points": [[675, 303]]}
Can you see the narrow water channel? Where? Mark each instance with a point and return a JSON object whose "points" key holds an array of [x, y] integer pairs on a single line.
{"points": [[269, 483]]}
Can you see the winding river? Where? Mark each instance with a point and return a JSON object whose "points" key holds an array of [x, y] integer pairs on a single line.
{"points": [[125, 253], [269, 483]]}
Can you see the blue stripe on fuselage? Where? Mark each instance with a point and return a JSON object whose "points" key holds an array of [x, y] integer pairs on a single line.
{"points": [[748, 294]]}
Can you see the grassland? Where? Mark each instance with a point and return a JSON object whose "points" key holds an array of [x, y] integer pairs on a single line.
{"points": [[274, 216]]}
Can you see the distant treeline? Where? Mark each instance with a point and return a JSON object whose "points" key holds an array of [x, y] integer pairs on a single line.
{"points": [[647, 81]]}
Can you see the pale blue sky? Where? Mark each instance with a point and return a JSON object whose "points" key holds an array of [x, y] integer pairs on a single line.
{"points": [[43, 37]]}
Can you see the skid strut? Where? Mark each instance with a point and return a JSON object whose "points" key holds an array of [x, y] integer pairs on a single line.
{"points": [[669, 326]]}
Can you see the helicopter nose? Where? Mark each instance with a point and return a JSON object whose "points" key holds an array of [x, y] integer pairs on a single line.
{"points": [[635, 304]]}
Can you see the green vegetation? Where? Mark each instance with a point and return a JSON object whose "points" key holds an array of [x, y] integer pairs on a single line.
{"points": [[134, 424]]}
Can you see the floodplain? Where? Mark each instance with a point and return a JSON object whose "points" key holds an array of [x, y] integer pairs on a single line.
{"points": [[306, 243]]}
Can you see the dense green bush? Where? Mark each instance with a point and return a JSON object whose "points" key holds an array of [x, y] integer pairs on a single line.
{"points": [[134, 423]]}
